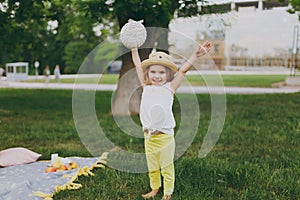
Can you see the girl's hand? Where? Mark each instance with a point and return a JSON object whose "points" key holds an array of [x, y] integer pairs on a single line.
{"points": [[203, 49]]}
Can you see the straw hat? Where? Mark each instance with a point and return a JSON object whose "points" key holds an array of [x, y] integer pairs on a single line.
{"points": [[160, 58]]}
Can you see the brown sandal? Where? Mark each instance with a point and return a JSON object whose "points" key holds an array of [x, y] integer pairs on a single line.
{"points": [[151, 194]]}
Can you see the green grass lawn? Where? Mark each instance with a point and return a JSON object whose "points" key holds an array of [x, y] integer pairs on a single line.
{"points": [[237, 80], [197, 80], [256, 157]]}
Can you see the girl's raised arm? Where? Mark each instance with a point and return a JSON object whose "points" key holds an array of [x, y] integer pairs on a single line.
{"points": [[201, 50], [138, 65]]}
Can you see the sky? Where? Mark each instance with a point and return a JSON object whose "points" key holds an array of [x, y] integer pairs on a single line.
{"points": [[260, 31]]}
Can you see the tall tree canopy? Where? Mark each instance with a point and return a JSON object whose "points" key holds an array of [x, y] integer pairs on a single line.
{"points": [[53, 32]]}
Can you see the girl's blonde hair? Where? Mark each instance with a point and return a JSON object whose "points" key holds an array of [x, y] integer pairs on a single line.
{"points": [[169, 72]]}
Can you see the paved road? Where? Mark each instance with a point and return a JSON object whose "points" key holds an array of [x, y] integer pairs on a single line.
{"points": [[182, 89]]}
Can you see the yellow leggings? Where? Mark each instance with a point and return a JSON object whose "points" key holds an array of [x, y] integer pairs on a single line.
{"points": [[160, 151]]}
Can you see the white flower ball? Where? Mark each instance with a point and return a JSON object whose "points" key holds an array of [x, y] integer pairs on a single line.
{"points": [[133, 34]]}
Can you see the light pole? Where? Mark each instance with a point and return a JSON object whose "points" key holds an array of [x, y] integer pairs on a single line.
{"points": [[36, 65], [294, 50]]}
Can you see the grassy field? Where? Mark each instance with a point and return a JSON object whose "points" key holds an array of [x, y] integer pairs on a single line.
{"points": [[229, 80], [256, 157]]}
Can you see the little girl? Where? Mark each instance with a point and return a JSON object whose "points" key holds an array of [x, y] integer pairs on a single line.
{"points": [[160, 78]]}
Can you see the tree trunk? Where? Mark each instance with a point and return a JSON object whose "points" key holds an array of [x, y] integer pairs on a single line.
{"points": [[127, 97]]}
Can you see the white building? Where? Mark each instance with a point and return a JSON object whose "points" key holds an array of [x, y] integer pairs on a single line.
{"points": [[259, 32], [17, 71]]}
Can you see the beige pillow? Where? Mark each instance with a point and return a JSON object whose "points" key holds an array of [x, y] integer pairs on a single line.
{"points": [[17, 156]]}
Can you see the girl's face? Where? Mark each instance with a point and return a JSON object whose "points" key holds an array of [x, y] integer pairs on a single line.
{"points": [[157, 75]]}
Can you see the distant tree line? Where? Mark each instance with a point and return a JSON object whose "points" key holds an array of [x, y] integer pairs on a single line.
{"points": [[52, 32]]}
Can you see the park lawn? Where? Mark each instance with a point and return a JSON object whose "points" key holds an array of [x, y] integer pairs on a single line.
{"points": [[196, 80], [256, 157], [235, 80]]}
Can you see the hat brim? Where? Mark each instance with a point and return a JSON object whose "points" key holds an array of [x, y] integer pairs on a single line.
{"points": [[149, 62]]}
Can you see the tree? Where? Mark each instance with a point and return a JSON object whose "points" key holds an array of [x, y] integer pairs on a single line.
{"points": [[155, 13], [127, 92], [77, 21], [295, 7], [27, 35], [119, 12], [23, 24]]}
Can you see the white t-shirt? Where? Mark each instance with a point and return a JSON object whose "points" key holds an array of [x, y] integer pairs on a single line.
{"points": [[156, 108]]}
